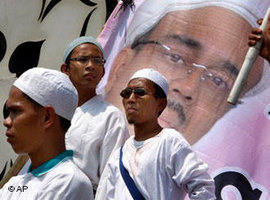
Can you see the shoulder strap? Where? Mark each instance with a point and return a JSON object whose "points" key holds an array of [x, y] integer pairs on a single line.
{"points": [[135, 193]]}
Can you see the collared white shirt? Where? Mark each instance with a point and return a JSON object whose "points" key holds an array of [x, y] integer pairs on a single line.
{"points": [[162, 167], [97, 128], [58, 178]]}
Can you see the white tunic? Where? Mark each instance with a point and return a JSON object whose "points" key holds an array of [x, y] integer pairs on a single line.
{"points": [[58, 178], [163, 167], [97, 128]]}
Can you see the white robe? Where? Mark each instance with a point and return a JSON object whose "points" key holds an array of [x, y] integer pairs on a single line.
{"points": [[97, 128], [163, 168], [58, 178]]}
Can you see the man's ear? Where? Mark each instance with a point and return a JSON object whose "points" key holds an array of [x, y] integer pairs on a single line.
{"points": [[65, 69], [120, 63], [49, 116]]}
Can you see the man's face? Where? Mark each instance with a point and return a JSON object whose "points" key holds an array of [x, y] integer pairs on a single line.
{"points": [[200, 52], [23, 123], [85, 72], [137, 106]]}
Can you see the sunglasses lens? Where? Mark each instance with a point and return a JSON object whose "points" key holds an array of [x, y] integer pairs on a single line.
{"points": [[126, 93], [139, 92]]}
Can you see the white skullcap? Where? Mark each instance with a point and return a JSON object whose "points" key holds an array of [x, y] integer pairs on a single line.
{"points": [[77, 42], [49, 88], [154, 76], [150, 12]]}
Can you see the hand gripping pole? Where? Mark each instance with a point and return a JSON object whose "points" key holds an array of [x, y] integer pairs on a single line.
{"points": [[246, 66]]}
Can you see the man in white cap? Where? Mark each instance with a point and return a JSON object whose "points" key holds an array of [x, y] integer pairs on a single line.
{"points": [[156, 163], [199, 46], [97, 127], [40, 106]]}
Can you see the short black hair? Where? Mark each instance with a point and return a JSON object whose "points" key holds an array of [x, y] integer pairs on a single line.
{"points": [[159, 94], [64, 123]]}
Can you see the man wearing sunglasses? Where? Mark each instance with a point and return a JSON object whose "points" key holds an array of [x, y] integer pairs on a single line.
{"points": [[97, 127], [155, 163], [199, 46]]}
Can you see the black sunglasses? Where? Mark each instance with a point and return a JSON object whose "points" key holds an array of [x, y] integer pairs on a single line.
{"points": [[137, 91]]}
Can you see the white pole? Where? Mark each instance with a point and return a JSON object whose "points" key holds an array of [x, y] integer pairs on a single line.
{"points": [[247, 65]]}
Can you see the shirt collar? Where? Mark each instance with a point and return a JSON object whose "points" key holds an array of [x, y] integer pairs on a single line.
{"points": [[91, 103], [45, 167]]}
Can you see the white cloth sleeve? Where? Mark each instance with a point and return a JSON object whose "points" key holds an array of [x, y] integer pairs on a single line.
{"points": [[105, 190], [115, 137], [190, 173]]}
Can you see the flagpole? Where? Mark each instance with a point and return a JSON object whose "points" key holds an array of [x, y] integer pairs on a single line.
{"points": [[247, 65]]}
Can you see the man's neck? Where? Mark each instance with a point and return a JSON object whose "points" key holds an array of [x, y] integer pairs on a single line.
{"points": [[86, 95], [50, 148], [38, 159], [146, 130]]}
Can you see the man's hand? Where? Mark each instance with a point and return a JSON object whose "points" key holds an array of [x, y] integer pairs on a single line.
{"points": [[257, 34]]}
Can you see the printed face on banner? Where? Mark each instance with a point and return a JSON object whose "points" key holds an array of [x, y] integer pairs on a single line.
{"points": [[200, 52]]}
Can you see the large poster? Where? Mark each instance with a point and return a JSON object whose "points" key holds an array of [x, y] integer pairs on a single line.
{"points": [[200, 45]]}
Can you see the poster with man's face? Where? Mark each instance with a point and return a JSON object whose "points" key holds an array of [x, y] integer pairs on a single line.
{"points": [[35, 34], [199, 46]]}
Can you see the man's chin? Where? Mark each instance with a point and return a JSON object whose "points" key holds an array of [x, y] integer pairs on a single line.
{"points": [[131, 121]]}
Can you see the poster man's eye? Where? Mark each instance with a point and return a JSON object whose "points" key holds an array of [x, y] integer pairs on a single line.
{"points": [[176, 58]]}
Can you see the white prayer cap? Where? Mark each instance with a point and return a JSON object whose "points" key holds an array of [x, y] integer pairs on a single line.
{"points": [[77, 42], [154, 76], [150, 12], [49, 87]]}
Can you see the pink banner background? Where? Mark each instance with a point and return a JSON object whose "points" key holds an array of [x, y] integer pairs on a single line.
{"points": [[236, 147]]}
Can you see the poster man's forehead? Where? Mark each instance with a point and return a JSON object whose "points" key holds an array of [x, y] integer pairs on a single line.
{"points": [[149, 13]]}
